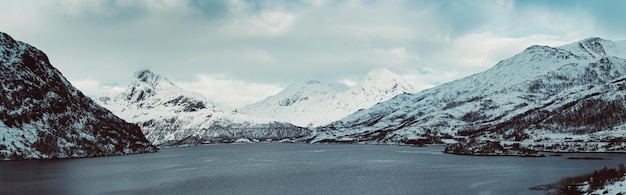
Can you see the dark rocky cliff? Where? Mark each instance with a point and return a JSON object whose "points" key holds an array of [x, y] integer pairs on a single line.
{"points": [[42, 116]]}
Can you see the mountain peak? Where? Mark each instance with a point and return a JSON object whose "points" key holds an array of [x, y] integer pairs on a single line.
{"points": [[148, 80], [380, 73], [170, 115], [145, 74], [537, 47], [303, 90], [149, 90], [311, 103], [310, 82], [7, 43], [596, 47], [593, 40], [384, 79], [149, 77], [382, 76], [145, 84], [308, 85], [585, 49], [6, 38]]}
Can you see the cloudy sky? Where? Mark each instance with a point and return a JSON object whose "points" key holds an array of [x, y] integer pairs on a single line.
{"points": [[237, 52]]}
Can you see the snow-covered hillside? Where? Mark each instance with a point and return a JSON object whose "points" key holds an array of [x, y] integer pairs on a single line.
{"points": [[613, 188], [542, 93], [313, 103], [170, 115], [42, 116]]}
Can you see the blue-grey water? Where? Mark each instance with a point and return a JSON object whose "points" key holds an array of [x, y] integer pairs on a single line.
{"points": [[293, 169]]}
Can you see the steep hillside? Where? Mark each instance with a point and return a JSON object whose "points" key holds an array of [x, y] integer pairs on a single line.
{"points": [[542, 93], [42, 116], [314, 103], [169, 115]]}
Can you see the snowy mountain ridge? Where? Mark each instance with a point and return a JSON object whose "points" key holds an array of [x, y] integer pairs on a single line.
{"points": [[526, 97], [170, 115], [151, 91], [314, 103], [42, 116]]}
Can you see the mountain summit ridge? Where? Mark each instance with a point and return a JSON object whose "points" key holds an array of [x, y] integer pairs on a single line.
{"points": [[318, 103], [507, 102], [150, 78], [170, 115]]}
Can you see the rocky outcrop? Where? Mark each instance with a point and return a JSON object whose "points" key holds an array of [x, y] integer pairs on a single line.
{"points": [[42, 116]]}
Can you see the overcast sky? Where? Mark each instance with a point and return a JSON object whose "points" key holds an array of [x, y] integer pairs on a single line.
{"points": [[237, 52]]}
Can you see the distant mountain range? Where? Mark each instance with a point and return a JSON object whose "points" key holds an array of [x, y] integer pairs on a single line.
{"points": [[556, 94], [170, 115], [313, 103], [42, 116], [573, 92], [554, 98]]}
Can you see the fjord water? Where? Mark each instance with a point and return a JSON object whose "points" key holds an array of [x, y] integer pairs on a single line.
{"points": [[293, 169]]}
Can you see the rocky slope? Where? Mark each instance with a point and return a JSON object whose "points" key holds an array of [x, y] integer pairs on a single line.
{"points": [[170, 115], [42, 116], [551, 94], [313, 103]]}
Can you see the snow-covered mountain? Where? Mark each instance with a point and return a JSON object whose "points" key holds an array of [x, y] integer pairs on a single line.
{"points": [[576, 91], [42, 116], [313, 103], [170, 115]]}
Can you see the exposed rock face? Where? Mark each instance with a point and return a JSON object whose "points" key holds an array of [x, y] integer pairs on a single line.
{"points": [[42, 116]]}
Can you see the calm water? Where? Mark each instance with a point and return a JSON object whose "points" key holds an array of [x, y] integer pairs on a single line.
{"points": [[293, 169]]}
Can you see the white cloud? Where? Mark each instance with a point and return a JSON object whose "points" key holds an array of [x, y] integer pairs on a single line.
{"points": [[348, 82], [227, 91], [20, 19], [157, 6], [80, 7], [269, 42], [395, 57], [246, 21], [89, 87], [224, 61], [418, 81], [93, 88], [273, 22], [317, 3]]}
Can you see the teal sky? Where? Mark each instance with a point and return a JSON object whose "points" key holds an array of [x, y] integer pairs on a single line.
{"points": [[237, 52]]}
